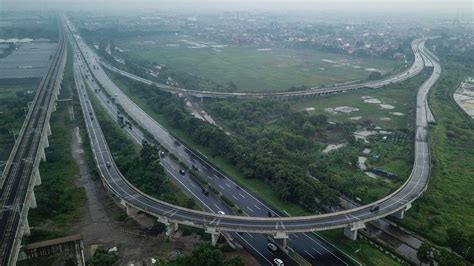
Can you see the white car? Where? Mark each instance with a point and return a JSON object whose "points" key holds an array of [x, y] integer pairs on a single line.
{"points": [[278, 262], [221, 212]]}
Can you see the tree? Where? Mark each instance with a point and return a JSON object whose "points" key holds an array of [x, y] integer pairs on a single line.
{"points": [[457, 239], [234, 261], [424, 253], [102, 258], [446, 258], [308, 129], [204, 255], [374, 75]]}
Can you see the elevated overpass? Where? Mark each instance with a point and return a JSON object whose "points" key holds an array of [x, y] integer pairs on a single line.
{"points": [[352, 220], [417, 47], [21, 173]]}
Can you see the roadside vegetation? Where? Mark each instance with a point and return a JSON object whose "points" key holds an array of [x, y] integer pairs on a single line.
{"points": [[204, 255], [13, 100]]}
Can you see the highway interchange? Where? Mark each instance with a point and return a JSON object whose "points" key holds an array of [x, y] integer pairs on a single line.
{"points": [[309, 246], [399, 200]]}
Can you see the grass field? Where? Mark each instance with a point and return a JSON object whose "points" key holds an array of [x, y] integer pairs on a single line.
{"points": [[253, 70], [399, 96], [449, 200]]}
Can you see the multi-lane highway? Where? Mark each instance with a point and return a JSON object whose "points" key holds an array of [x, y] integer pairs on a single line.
{"points": [[20, 173], [312, 248], [418, 64], [254, 243], [308, 245], [279, 226]]}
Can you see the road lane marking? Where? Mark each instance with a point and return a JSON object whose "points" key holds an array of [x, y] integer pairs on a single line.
{"points": [[311, 255], [316, 251]]}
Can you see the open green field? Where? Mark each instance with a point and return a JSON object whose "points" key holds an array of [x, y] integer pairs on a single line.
{"points": [[449, 200], [257, 70], [394, 109]]}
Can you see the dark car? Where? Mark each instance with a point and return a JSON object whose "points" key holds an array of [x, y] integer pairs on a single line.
{"points": [[107, 164], [162, 154], [375, 208], [195, 168], [205, 192], [182, 172]]}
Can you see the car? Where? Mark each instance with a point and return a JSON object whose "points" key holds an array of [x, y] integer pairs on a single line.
{"points": [[269, 214], [375, 208], [162, 154], [221, 212], [271, 246], [107, 164], [182, 172], [195, 168], [278, 262], [205, 192]]}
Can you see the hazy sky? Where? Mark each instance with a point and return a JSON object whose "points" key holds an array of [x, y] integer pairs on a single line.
{"points": [[393, 6]]}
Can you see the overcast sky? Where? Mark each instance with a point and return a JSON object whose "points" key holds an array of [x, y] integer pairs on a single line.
{"points": [[465, 7]]}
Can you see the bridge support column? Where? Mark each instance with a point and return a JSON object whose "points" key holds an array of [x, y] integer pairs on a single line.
{"points": [[42, 154], [48, 129], [130, 210], [37, 177], [350, 231], [401, 213], [46, 141], [171, 228], [26, 228], [214, 235], [282, 239], [33, 204]]}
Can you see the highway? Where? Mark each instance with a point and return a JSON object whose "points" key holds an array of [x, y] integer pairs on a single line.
{"points": [[307, 244], [19, 174], [256, 244], [398, 201], [417, 47]]}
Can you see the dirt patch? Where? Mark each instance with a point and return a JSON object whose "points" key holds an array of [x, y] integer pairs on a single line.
{"points": [[372, 100], [103, 222], [387, 106], [355, 118], [397, 113], [332, 147], [361, 163], [385, 118], [309, 109]]}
